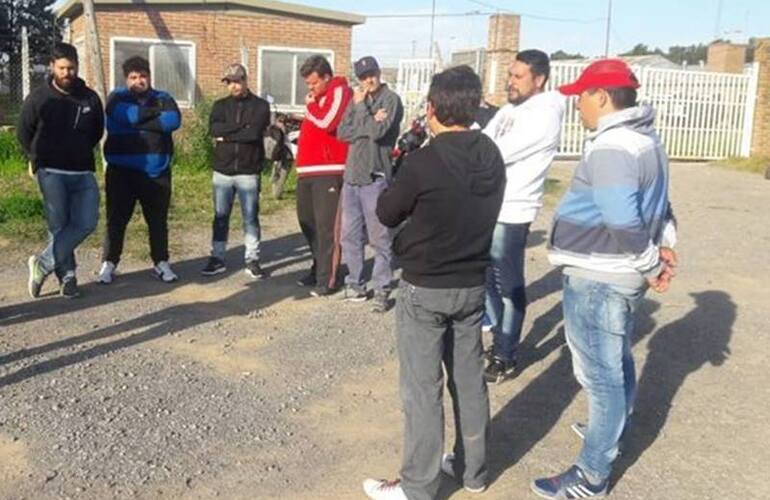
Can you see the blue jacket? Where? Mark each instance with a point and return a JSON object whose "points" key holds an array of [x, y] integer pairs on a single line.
{"points": [[139, 134]]}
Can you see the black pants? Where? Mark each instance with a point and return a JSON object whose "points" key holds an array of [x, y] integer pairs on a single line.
{"points": [[124, 187], [318, 200]]}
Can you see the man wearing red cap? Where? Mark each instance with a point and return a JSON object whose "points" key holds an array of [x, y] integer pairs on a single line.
{"points": [[613, 233]]}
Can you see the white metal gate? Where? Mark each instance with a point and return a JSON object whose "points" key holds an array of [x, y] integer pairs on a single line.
{"points": [[700, 115], [412, 84]]}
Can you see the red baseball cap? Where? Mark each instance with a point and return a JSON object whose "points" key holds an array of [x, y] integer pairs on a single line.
{"points": [[602, 74]]}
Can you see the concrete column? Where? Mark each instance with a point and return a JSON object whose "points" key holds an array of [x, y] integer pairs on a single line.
{"points": [[502, 47], [760, 143]]}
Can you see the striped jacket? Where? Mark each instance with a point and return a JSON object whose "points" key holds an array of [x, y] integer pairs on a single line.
{"points": [[616, 214], [319, 152], [139, 134]]}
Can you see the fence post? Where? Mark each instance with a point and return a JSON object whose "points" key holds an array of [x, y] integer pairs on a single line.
{"points": [[25, 85]]}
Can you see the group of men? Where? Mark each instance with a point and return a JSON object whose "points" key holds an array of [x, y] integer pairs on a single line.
{"points": [[456, 215]]}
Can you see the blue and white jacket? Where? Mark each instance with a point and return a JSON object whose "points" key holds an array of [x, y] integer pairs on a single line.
{"points": [[139, 133], [616, 215]]}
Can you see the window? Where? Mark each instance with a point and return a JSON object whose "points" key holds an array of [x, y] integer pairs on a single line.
{"points": [[279, 74], [172, 64]]}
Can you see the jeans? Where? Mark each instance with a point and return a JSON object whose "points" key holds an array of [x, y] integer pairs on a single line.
{"points": [[359, 224], [71, 211], [225, 189], [598, 324], [506, 301], [436, 325], [124, 187]]}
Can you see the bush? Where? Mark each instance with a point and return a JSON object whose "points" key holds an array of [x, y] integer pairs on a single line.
{"points": [[195, 149], [11, 158]]}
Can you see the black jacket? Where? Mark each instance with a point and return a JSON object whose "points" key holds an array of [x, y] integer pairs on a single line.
{"points": [[449, 193], [241, 122], [59, 130]]}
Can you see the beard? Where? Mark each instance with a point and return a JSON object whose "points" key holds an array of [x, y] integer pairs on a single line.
{"points": [[64, 83]]}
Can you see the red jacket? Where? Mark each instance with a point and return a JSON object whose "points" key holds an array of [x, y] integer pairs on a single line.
{"points": [[319, 152]]}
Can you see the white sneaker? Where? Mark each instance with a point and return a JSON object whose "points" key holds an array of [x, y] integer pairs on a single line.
{"points": [[106, 273], [447, 467], [380, 489], [164, 273]]}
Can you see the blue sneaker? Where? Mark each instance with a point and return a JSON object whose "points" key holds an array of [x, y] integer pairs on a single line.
{"points": [[569, 485]]}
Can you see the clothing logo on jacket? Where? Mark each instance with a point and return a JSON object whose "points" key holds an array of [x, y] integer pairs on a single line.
{"points": [[504, 126]]}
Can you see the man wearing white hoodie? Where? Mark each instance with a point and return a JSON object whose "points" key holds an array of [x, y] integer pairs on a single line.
{"points": [[527, 131]]}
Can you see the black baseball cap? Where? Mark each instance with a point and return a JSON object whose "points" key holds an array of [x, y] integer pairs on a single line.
{"points": [[366, 66]]}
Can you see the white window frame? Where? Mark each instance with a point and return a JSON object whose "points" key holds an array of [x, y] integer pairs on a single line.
{"points": [[300, 108], [158, 41]]}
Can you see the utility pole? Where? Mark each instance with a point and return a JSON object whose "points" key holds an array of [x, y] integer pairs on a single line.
{"points": [[432, 26], [94, 49], [414, 49], [718, 22], [609, 26]]}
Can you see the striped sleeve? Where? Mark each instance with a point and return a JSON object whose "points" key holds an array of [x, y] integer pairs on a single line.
{"points": [[328, 115]]}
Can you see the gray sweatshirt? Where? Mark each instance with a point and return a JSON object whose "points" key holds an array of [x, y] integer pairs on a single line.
{"points": [[371, 142]]}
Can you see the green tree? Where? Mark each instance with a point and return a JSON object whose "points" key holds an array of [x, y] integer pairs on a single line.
{"points": [[560, 55]]}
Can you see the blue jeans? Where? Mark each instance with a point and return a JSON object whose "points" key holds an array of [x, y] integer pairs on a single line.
{"points": [[506, 299], [359, 225], [71, 211], [598, 325], [225, 189]]}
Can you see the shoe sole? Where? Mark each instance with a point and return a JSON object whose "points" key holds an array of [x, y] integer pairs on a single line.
{"points": [[537, 491], [160, 277], [255, 276], [214, 273], [355, 300], [31, 280]]}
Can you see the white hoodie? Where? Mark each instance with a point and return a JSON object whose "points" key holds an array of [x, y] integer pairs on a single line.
{"points": [[528, 136]]}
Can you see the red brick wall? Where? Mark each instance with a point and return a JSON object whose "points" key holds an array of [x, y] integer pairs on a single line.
{"points": [[218, 37]]}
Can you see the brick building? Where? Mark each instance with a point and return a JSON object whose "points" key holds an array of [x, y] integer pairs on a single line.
{"points": [[189, 43]]}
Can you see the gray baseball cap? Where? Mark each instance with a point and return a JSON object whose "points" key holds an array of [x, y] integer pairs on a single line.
{"points": [[234, 73]]}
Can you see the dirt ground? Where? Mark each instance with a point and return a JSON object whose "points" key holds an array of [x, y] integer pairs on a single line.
{"points": [[227, 388]]}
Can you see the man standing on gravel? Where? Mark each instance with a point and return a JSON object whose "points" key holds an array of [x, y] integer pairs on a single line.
{"points": [[527, 131], [320, 164], [613, 232], [139, 151], [237, 124], [60, 125], [370, 125], [458, 180]]}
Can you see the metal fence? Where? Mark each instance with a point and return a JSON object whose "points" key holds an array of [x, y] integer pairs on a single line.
{"points": [[700, 115], [412, 84], [18, 76]]}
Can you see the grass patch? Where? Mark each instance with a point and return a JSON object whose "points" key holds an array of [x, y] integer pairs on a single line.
{"points": [[754, 164]]}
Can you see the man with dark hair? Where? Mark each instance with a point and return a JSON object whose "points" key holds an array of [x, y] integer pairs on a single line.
{"points": [[139, 151], [447, 195], [60, 124], [527, 131], [320, 165], [370, 125], [237, 124], [613, 232]]}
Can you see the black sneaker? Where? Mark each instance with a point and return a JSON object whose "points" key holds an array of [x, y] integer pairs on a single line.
{"points": [[323, 291], [498, 370], [214, 266], [256, 272], [569, 485], [307, 280], [69, 287], [37, 276], [380, 302], [354, 294]]}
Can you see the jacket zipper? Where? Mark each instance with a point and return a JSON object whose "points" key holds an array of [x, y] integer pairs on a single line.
{"points": [[237, 122], [77, 117]]}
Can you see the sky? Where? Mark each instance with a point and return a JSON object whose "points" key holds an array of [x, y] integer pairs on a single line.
{"points": [[570, 25]]}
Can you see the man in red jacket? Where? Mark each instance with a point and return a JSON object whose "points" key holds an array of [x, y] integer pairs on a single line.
{"points": [[320, 165]]}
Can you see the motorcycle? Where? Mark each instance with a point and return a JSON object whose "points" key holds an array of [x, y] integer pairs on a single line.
{"points": [[411, 140], [281, 138]]}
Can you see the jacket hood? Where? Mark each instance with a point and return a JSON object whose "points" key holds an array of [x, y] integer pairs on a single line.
{"points": [[639, 118], [473, 158]]}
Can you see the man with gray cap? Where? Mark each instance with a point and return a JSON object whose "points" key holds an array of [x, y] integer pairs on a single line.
{"points": [[371, 126], [237, 124]]}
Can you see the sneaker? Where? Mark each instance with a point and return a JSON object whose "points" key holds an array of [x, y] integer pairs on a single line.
{"points": [[354, 294], [380, 489], [380, 302], [69, 286], [106, 273], [307, 280], [37, 276], [164, 273], [323, 291], [254, 271], [569, 485], [447, 467], [498, 370], [214, 266]]}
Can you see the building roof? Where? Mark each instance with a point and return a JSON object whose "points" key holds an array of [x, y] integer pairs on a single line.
{"points": [[71, 8]]}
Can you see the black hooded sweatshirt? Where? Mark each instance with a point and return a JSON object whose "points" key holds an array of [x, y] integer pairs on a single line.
{"points": [[58, 130], [449, 193]]}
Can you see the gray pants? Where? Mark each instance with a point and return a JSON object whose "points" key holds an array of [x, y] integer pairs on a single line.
{"points": [[436, 325]]}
